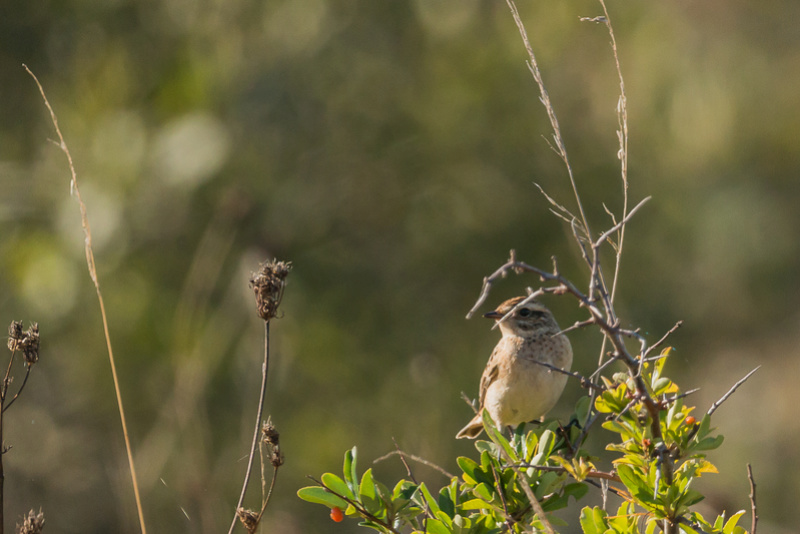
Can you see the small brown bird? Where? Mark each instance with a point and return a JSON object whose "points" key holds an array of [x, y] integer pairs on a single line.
{"points": [[515, 389]]}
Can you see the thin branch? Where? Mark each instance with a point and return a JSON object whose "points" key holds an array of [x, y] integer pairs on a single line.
{"points": [[585, 382], [560, 469], [417, 459], [753, 508], [661, 341], [682, 395], [16, 395], [730, 391], [269, 493], [262, 394], [93, 274]]}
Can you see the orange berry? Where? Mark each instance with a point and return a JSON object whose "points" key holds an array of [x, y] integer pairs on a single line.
{"points": [[337, 514], [690, 420], [646, 442]]}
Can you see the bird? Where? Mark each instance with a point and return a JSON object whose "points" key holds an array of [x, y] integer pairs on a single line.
{"points": [[514, 388]]}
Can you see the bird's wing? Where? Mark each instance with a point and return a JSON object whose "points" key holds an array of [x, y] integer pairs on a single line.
{"points": [[491, 371]]}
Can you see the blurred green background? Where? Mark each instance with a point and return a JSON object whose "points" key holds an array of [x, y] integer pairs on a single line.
{"points": [[388, 149]]}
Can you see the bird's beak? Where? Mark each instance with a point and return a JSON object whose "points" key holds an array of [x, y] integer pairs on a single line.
{"points": [[493, 315]]}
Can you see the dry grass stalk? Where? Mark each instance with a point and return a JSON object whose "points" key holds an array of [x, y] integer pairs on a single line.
{"points": [[93, 274]]}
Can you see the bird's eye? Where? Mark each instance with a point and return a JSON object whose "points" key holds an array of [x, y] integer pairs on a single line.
{"points": [[524, 312]]}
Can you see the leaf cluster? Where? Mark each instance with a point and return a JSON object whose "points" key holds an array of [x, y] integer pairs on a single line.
{"points": [[495, 492]]}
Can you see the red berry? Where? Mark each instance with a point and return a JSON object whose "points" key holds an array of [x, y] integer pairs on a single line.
{"points": [[337, 514], [690, 420]]}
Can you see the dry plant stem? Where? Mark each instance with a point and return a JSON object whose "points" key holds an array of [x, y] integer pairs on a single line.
{"points": [[262, 394], [361, 510], [2, 445], [93, 274], [269, 493], [21, 387], [622, 134], [753, 508], [560, 148]]}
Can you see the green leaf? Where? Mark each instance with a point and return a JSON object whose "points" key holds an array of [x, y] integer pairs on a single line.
{"points": [[708, 443], [476, 504], [497, 437], [731, 524], [431, 502], [350, 474], [338, 485], [434, 526], [468, 466], [320, 495], [448, 496], [593, 520]]}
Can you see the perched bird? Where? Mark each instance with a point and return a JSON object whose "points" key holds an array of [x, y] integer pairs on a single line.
{"points": [[514, 389]]}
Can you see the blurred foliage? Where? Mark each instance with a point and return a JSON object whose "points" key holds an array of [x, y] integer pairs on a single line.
{"points": [[389, 151]]}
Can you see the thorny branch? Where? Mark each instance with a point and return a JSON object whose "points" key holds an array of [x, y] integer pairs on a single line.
{"points": [[730, 391], [753, 508]]}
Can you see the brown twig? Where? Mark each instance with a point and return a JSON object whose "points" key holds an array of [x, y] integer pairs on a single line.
{"points": [[559, 469], [730, 391], [16, 395], [658, 343], [93, 274], [585, 382], [753, 508], [417, 459]]}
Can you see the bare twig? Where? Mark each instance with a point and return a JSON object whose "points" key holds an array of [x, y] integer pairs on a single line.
{"points": [[658, 343], [417, 459], [585, 382], [730, 391], [16, 395], [269, 493], [560, 469], [753, 508], [93, 274], [681, 396]]}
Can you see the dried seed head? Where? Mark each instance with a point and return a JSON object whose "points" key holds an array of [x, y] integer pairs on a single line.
{"points": [[32, 524], [271, 438], [268, 284], [14, 335], [249, 519], [27, 342]]}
